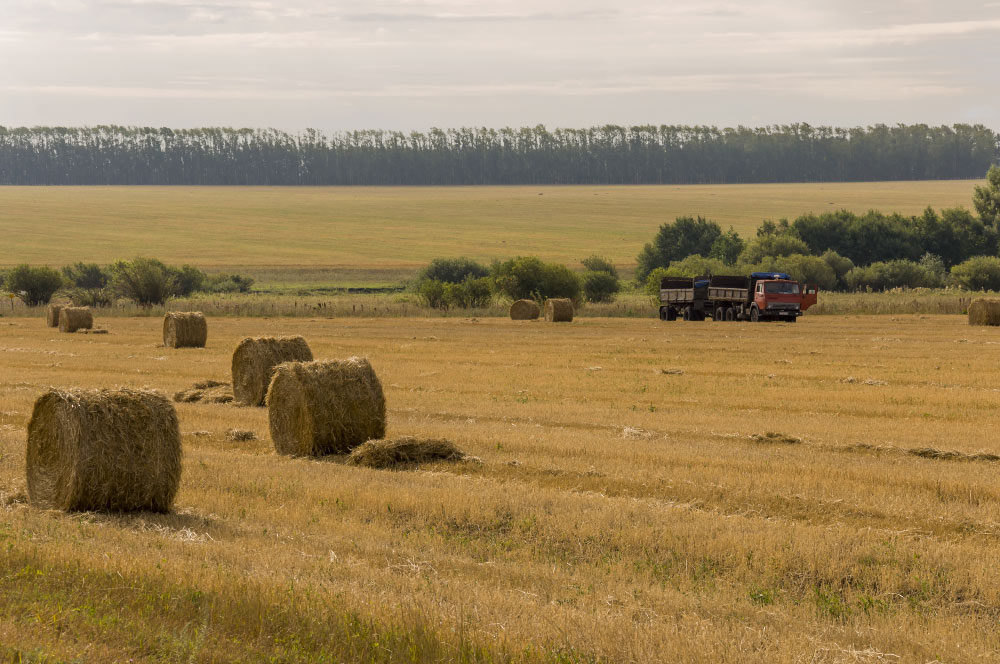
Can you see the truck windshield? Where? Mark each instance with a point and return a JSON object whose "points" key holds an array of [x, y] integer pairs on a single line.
{"points": [[785, 287]]}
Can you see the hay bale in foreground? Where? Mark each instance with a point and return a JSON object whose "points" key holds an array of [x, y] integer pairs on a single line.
{"points": [[559, 310], [72, 319], [52, 315], [109, 450], [185, 329], [405, 451], [524, 310], [207, 391], [984, 312], [325, 407], [254, 361]]}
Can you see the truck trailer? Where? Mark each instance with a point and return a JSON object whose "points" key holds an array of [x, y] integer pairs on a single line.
{"points": [[757, 297]]}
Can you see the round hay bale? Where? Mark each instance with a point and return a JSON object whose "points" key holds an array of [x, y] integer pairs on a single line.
{"points": [[254, 361], [52, 315], [524, 310], [72, 319], [984, 312], [559, 310], [109, 450], [325, 407], [185, 329]]}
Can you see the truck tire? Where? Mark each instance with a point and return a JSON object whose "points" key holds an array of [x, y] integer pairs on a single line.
{"points": [[687, 313], [720, 314], [754, 315], [730, 314], [671, 314], [791, 319], [663, 313]]}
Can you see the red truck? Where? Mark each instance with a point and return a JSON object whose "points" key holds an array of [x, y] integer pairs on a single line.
{"points": [[757, 297]]}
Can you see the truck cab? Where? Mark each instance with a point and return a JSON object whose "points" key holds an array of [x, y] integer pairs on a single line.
{"points": [[778, 297]]}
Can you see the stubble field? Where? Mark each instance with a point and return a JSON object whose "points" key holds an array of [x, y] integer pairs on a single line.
{"points": [[306, 237], [684, 492]]}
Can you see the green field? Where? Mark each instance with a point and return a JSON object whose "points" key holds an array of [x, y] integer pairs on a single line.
{"points": [[292, 236]]}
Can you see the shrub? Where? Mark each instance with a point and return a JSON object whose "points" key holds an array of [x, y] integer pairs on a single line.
{"points": [[676, 241], [727, 247], [527, 277], [978, 273], [34, 285], [452, 270], [840, 265], [805, 269], [189, 279], [88, 284], [146, 281], [773, 245], [697, 266], [600, 286], [227, 283], [600, 264], [432, 292], [652, 284], [472, 292], [892, 274]]}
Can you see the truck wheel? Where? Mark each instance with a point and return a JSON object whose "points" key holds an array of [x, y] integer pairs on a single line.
{"points": [[687, 313], [754, 315], [791, 319], [730, 314], [720, 314], [671, 314], [663, 313]]}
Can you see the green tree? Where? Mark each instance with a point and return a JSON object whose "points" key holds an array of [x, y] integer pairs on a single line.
{"points": [[978, 273], [769, 246], [528, 277], [987, 198], [883, 275], [600, 286], [676, 241], [452, 270], [727, 247], [146, 281], [597, 263], [839, 264], [34, 285], [88, 284]]}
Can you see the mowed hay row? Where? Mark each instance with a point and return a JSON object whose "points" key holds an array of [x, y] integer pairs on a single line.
{"points": [[404, 451], [107, 450], [185, 329], [559, 310], [254, 361], [984, 312], [72, 319], [325, 407], [52, 314], [524, 310]]}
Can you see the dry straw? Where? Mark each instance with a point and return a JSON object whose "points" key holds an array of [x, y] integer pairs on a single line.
{"points": [[109, 450], [405, 451], [524, 310], [185, 329], [559, 310], [72, 319], [254, 361], [52, 315], [207, 391], [984, 312], [325, 407]]}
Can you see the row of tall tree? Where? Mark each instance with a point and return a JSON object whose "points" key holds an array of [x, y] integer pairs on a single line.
{"points": [[120, 155]]}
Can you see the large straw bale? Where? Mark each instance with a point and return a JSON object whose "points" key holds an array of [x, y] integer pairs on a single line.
{"points": [[984, 312], [405, 451], [325, 407], [185, 329], [72, 319], [52, 315], [111, 450], [559, 310], [524, 310], [254, 361]]}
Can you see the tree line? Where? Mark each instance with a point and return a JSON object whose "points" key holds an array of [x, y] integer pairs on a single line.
{"points": [[843, 250], [611, 154]]}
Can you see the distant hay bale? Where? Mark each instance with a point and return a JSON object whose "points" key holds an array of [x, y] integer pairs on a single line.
{"points": [[185, 329], [207, 391], [108, 450], [72, 319], [325, 407], [984, 312], [254, 361], [52, 315], [559, 310], [524, 310], [405, 451]]}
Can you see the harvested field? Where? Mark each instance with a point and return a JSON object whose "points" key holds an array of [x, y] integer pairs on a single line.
{"points": [[621, 513]]}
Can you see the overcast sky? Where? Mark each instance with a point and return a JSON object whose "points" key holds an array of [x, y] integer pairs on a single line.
{"points": [[413, 64]]}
